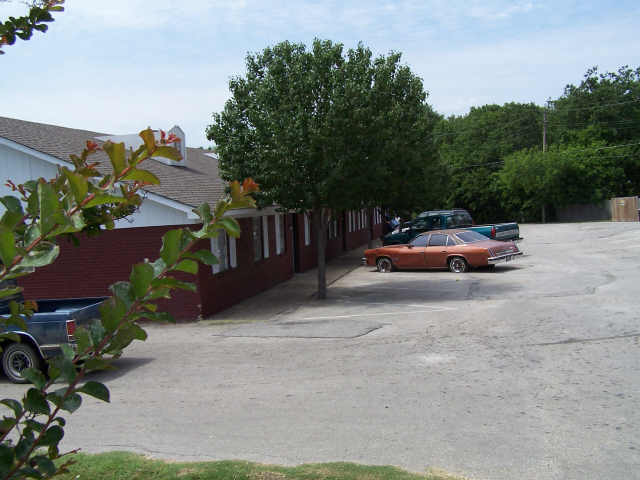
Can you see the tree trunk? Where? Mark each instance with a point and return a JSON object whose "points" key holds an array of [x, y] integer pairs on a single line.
{"points": [[544, 214], [370, 215], [320, 222]]}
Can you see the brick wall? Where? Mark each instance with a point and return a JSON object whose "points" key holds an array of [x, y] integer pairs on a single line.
{"points": [[88, 269], [224, 289]]}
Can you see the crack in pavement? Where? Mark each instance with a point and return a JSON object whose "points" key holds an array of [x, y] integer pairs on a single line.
{"points": [[583, 340]]}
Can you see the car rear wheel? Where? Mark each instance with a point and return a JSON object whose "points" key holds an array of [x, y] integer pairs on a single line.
{"points": [[16, 358], [384, 265], [458, 265]]}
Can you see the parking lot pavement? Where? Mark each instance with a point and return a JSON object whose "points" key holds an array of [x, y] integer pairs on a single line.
{"points": [[528, 372]]}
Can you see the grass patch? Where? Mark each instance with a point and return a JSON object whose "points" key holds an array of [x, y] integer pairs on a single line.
{"points": [[130, 466]]}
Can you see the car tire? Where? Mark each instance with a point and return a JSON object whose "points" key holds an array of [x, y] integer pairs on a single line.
{"points": [[17, 357], [384, 265], [458, 265]]}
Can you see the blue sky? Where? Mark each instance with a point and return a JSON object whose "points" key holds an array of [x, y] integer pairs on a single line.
{"points": [[119, 66]]}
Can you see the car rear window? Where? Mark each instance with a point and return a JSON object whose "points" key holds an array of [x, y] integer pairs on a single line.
{"points": [[471, 236], [437, 240]]}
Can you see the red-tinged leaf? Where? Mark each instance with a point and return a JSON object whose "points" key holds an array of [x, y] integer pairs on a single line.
{"points": [[149, 139], [249, 186]]}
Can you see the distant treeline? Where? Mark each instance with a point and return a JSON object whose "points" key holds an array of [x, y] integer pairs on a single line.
{"points": [[491, 160]]}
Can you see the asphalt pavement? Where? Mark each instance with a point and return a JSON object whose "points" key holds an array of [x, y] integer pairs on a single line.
{"points": [[528, 372]]}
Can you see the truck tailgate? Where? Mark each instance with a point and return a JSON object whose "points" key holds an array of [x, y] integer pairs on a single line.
{"points": [[507, 231]]}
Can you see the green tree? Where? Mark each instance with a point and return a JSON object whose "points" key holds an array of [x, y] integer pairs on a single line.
{"points": [[564, 175], [324, 132], [604, 106], [473, 147]]}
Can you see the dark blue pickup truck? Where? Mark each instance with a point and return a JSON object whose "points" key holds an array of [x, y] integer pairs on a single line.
{"points": [[47, 330], [444, 219]]}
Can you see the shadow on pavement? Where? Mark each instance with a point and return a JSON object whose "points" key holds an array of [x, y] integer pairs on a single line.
{"points": [[432, 289], [122, 366]]}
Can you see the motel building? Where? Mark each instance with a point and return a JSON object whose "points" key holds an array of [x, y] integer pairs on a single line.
{"points": [[273, 245]]}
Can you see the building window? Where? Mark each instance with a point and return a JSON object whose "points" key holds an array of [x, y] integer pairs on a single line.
{"points": [[332, 229], [220, 247], [307, 230], [233, 259], [256, 232], [265, 236], [280, 231]]}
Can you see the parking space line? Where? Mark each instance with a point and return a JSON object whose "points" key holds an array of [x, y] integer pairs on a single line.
{"points": [[328, 317]]}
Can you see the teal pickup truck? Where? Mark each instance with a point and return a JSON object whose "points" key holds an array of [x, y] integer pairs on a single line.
{"points": [[444, 219]]}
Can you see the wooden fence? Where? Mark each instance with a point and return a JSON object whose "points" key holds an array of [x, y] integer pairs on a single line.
{"points": [[625, 209]]}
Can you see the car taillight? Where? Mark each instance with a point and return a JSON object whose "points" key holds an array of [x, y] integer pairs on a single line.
{"points": [[71, 329], [493, 232]]}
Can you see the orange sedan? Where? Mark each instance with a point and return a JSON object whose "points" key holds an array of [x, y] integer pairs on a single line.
{"points": [[456, 249]]}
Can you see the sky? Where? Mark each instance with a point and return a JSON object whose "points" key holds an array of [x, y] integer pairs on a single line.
{"points": [[118, 66]]}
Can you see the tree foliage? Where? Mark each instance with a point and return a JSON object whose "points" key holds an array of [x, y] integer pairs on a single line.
{"points": [[43, 210], [564, 175], [493, 157], [604, 106], [36, 20], [473, 147], [323, 131]]}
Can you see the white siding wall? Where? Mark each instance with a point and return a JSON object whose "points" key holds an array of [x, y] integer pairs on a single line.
{"points": [[20, 167], [151, 214]]}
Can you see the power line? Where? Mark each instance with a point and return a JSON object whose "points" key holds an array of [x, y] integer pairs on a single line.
{"points": [[594, 107]]}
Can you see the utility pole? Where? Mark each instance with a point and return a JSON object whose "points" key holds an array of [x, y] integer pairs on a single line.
{"points": [[544, 150], [544, 131]]}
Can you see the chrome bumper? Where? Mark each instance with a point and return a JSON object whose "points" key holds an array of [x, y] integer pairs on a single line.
{"points": [[507, 257]]}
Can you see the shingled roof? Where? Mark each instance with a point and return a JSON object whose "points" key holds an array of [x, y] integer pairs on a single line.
{"points": [[195, 183]]}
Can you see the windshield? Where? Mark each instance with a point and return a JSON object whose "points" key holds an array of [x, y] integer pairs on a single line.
{"points": [[471, 237]]}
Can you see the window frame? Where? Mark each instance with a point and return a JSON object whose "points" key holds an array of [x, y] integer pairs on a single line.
{"points": [[256, 239]]}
